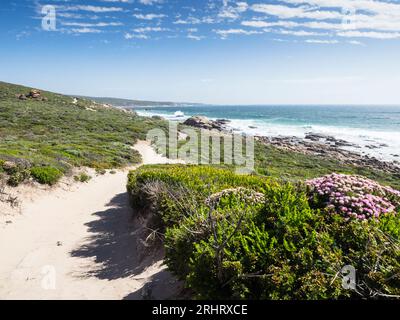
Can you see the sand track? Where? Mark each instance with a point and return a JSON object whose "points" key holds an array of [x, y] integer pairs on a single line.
{"points": [[81, 244]]}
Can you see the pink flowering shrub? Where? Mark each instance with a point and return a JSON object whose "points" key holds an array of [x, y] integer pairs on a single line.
{"points": [[354, 196]]}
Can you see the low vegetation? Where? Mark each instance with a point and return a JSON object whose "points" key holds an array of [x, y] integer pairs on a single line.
{"points": [[82, 177], [294, 166], [252, 237], [46, 175], [43, 129], [287, 165]]}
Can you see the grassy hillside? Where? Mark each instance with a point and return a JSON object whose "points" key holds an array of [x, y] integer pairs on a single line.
{"points": [[131, 103], [61, 132]]}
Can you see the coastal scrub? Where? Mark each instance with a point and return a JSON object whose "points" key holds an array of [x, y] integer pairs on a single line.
{"points": [[248, 237]]}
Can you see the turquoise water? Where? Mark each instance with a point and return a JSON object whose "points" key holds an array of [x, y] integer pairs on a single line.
{"points": [[364, 125]]}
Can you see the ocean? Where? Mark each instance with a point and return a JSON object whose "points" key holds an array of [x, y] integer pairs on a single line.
{"points": [[376, 129]]}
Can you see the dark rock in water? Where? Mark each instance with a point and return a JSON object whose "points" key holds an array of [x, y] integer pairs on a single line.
{"points": [[377, 146], [252, 127], [315, 136], [223, 121], [199, 122], [344, 143], [205, 123]]}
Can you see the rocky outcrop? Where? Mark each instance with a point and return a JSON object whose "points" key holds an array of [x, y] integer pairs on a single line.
{"points": [[317, 137], [33, 94], [205, 123], [330, 148]]}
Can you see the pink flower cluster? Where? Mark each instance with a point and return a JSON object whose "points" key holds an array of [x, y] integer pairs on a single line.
{"points": [[354, 196]]}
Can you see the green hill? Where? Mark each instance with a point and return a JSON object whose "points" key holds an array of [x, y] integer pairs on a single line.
{"points": [[53, 131], [134, 103]]}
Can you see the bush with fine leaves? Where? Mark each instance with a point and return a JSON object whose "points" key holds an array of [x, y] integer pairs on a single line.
{"points": [[225, 245], [46, 175]]}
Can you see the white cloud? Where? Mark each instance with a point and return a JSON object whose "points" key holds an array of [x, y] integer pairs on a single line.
{"points": [[149, 29], [356, 18], [194, 37], [300, 33], [285, 12], [150, 2], [321, 41], [84, 30], [233, 12], [195, 20], [225, 33], [96, 9], [264, 24], [99, 24], [149, 16], [142, 32], [129, 36], [355, 42], [353, 19], [370, 34]]}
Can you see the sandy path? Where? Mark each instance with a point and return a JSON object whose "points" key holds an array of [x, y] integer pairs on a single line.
{"points": [[80, 244]]}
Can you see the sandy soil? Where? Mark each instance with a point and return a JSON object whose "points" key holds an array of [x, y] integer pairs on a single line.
{"points": [[80, 241]]}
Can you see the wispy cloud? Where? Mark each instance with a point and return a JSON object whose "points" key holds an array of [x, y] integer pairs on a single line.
{"points": [[224, 33], [291, 19], [90, 8], [99, 24], [319, 41], [149, 16]]}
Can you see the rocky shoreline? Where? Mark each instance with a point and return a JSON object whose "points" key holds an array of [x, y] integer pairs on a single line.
{"points": [[331, 148], [315, 144]]}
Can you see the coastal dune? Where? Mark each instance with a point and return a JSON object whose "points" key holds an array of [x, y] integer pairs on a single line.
{"points": [[81, 244]]}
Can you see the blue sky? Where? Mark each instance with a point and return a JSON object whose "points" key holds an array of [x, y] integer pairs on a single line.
{"points": [[210, 51]]}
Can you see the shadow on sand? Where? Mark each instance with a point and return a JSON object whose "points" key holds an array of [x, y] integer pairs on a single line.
{"points": [[114, 242], [161, 286], [115, 245]]}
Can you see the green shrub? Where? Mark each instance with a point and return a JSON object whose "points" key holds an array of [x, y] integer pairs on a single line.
{"points": [[171, 190], [17, 171], [46, 175], [101, 172], [224, 245], [17, 177], [82, 177]]}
